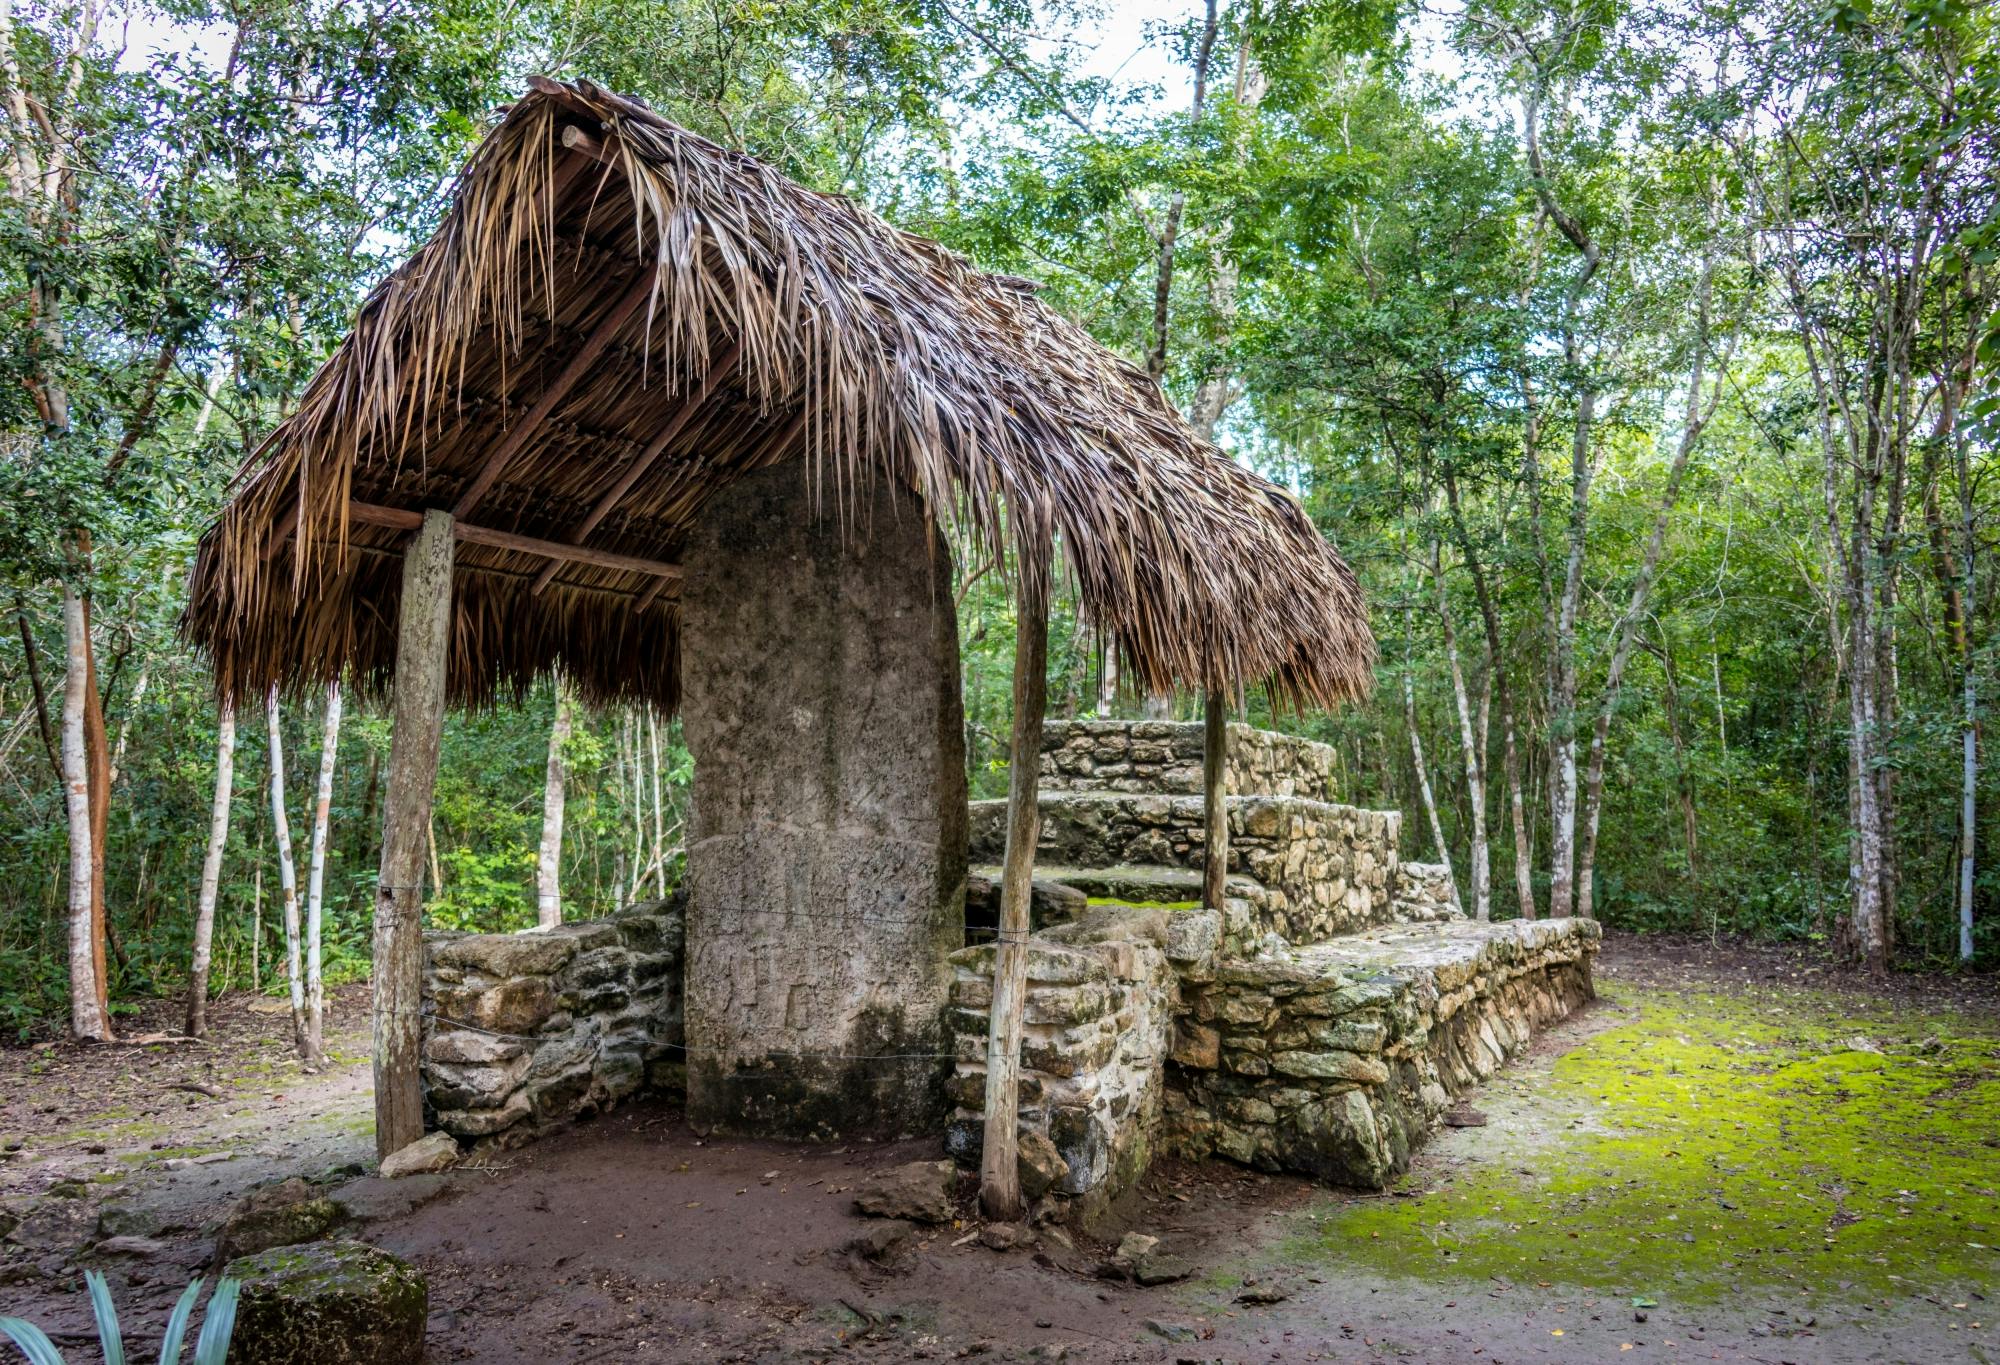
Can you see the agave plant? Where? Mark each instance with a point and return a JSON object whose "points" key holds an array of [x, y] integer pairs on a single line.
{"points": [[209, 1348]]}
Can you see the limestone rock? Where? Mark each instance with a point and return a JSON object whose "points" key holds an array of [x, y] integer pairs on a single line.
{"points": [[1041, 1165], [919, 1191], [883, 1242], [129, 1245], [431, 1152], [1133, 1245], [279, 1215], [1160, 1268], [1005, 1236], [337, 1303]]}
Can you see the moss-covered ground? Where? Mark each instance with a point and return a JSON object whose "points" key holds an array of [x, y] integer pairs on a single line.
{"points": [[1708, 1144]]}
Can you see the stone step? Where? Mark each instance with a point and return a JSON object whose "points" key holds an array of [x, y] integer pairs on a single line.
{"points": [[1136, 883], [1166, 757]]}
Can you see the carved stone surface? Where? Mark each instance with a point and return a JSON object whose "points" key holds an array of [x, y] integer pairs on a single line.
{"points": [[827, 865]]}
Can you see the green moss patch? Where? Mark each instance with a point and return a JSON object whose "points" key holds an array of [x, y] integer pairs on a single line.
{"points": [[1714, 1143]]}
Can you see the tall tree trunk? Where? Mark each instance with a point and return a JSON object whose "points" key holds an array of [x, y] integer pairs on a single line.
{"points": [[1473, 744], [97, 762], [659, 808], [1107, 682], [329, 756], [1496, 674], [288, 872], [1417, 753], [548, 859], [211, 870], [87, 1015]]}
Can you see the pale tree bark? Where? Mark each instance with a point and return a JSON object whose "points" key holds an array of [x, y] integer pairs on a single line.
{"points": [[1473, 742], [1107, 683], [1694, 420], [659, 865], [1496, 677], [211, 870], [1417, 753], [548, 858], [329, 757], [288, 872], [87, 1017]]}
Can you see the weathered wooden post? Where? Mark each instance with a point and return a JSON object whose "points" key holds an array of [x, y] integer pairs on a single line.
{"points": [[999, 1172], [423, 641], [1214, 781]]}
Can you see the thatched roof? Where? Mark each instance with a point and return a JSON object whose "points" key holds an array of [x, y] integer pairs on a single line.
{"points": [[761, 322]]}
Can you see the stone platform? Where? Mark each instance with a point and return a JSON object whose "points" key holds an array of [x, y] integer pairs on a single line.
{"points": [[1320, 1020]]}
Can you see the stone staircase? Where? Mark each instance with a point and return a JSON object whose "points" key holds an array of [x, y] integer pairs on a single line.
{"points": [[1320, 1021]]}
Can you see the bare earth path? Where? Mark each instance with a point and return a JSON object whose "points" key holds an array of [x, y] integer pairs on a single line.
{"points": [[1776, 1162]]}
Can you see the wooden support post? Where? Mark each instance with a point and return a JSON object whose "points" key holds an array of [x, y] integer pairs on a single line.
{"points": [[1214, 784], [999, 1171], [423, 650]]}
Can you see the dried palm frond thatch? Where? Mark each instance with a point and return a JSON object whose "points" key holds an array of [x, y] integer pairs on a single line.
{"points": [[714, 318]]}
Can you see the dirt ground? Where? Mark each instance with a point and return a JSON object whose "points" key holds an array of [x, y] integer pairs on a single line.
{"points": [[632, 1239]]}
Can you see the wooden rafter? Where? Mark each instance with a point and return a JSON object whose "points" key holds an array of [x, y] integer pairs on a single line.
{"points": [[403, 519], [517, 437], [724, 366]]}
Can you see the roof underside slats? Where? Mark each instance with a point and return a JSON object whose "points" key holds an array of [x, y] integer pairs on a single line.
{"points": [[772, 324]]}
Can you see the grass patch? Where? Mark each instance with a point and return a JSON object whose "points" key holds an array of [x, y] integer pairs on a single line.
{"points": [[1720, 1142]]}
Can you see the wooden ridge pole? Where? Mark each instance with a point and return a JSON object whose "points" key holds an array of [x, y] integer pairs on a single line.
{"points": [[423, 655], [999, 1169], [1214, 785]]}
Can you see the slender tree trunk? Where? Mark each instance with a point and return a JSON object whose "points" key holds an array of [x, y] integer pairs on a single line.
{"points": [[329, 756], [548, 859], [1496, 673], [87, 1016], [211, 870], [288, 872], [659, 809], [97, 762], [1107, 683], [1473, 745], [1423, 769]]}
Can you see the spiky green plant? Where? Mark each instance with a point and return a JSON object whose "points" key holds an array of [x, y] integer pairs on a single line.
{"points": [[210, 1348]]}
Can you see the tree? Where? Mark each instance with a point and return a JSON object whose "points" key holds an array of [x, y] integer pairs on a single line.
{"points": [[548, 858], [211, 872]]}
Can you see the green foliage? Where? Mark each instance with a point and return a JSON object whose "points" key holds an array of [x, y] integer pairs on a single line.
{"points": [[211, 1347]]}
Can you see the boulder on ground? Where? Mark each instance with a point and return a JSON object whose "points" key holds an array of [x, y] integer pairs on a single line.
{"points": [[333, 1303], [883, 1242], [279, 1215], [919, 1191], [431, 1152]]}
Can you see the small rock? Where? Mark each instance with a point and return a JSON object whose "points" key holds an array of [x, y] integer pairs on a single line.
{"points": [[919, 1191], [127, 1220], [1041, 1166], [279, 1215], [1004, 1236], [1161, 1269], [335, 1303], [1465, 1118], [883, 1242], [1171, 1331], [1133, 1245], [130, 1245], [431, 1152], [1263, 1293]]}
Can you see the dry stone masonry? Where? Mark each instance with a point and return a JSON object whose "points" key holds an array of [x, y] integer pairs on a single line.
{"points": [[525, 1032], [1321, 1020]]}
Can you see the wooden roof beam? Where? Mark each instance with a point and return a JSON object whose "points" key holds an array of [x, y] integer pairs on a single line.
{"points": [[724, 366], [404, 519], [517, 438]]}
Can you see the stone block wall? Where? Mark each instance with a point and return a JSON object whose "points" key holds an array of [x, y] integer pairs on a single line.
{"points": [[526, 1032], [1166, 757], [1094, 1041], [1334, 1060], [1423, 892], [1320, 869]]}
